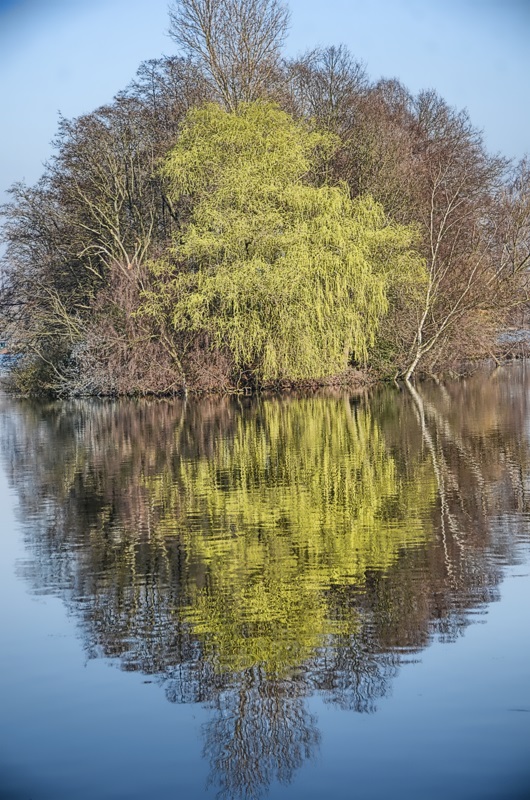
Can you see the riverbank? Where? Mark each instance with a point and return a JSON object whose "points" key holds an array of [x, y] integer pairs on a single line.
{"points": [[512, 344], [351, 379], [514, 347]]}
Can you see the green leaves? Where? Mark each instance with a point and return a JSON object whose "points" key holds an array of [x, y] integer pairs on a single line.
{"points": [[289, 275]]}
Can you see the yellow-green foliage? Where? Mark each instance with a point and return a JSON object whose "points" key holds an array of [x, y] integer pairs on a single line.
{"points": [[291, 277], [289, 509]]}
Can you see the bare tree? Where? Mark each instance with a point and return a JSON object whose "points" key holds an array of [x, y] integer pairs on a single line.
{"points": [[380, 150], [327, 83], [457, 183], [513, 221], [82, 235], [236, 43]]}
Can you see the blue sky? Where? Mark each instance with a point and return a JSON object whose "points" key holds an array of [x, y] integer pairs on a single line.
{"points": [[73, 55]]}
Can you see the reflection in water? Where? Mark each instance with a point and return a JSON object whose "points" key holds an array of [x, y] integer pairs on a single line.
{"points": [[261, 731], [252, 553]]}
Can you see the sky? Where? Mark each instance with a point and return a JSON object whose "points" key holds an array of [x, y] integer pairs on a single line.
{"points": [[71, 56]]}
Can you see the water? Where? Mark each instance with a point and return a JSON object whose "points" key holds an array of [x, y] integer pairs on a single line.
{"points": [[279, 598]]}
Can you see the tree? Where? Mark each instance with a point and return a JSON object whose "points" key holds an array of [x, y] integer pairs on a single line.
{"points": [[457, 182], [290, 278], [327, 84], [512, 223], [77, 242], [380, 152], [236, 43]]}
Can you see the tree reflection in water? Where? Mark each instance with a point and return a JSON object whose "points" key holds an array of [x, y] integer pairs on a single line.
{"points": [[252, 553], [261, 731]]}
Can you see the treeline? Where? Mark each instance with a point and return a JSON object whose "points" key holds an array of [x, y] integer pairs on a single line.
{"points": [[235, 218]]}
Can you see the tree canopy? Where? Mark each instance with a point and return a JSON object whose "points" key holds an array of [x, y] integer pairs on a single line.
{"points": [[275, 264]]}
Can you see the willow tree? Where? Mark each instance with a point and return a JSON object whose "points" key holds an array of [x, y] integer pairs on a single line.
{"points": [[273, 265]]}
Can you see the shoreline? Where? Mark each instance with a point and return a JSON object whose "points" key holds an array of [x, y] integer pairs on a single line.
{"points": [[356, 381]]}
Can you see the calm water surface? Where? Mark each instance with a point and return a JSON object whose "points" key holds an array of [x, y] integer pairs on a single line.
{"points": [[322, 597]]}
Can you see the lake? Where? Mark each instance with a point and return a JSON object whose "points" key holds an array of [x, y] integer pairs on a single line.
{"points": [[262, 597]]}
